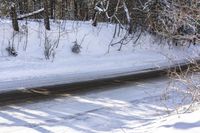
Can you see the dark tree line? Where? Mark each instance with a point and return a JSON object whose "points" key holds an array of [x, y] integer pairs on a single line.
{"points": [[174, 19], [58, 9]]}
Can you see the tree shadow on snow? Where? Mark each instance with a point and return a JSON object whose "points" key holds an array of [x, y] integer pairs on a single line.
{"points": [[184, 125], [88, 113]]}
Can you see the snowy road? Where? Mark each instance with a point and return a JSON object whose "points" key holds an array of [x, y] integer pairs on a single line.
{"points": [[129, 106], [148, 70]]}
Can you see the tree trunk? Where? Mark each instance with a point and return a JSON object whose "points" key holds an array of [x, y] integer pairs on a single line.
{"points": [[94, 19], [71, 9], [13, 15], [21, 7], [63, 9], [46, 15], [26, 6], [91, 11], [52, 9]]}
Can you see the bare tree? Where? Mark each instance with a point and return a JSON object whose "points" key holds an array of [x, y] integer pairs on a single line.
{"points": [[46, 15], [13, 15]]}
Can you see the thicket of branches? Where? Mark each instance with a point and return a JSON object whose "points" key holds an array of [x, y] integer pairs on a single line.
{"points": [[178, 21], [187, 83]]}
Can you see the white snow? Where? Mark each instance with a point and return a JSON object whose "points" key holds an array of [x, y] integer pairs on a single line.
{"points": [[135, 107], [189, 123], [93, 62]]}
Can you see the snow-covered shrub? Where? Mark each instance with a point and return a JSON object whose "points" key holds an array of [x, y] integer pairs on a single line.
{"points": [[49, 47], [76, 48], [51, 42], [188, 84], [11, 48], [11, 51], [23, 35]]}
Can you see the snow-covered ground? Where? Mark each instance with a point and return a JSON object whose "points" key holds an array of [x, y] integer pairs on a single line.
{"points": [[137, 107], [94, 59]]}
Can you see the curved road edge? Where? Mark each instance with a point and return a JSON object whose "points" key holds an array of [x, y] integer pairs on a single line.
{"points": [[148, 71]]}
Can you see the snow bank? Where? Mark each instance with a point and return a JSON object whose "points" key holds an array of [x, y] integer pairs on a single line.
{"points": [[94, 57]]}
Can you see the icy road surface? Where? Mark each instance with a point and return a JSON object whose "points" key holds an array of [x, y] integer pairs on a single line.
{"points": [[135, 107]]}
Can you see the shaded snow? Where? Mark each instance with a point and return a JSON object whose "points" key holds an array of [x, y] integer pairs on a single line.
{"points": [[134, 107]]}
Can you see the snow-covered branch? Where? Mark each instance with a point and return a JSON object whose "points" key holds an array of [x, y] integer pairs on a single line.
{"points": [[30, 14]]}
